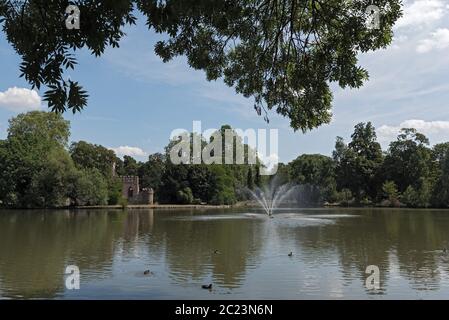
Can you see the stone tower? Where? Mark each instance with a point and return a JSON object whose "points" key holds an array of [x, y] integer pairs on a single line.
{"points": [[130, 187]]}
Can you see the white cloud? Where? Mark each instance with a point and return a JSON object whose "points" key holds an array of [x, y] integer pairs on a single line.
{"points": [[20, 99], [439, 39], [129, 151], [421, 12], [387, 133]]}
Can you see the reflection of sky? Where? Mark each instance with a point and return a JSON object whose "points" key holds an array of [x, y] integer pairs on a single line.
{"points": [[328, 262], [275, 276]]}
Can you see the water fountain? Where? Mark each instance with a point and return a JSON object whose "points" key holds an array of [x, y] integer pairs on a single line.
{"points": [[272, 195]]}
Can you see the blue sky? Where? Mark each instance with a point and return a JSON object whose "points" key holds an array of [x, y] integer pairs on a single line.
{"points": [[136, 100]]}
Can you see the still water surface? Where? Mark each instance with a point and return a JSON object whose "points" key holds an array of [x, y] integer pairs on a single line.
{"points": [[331, 250]]}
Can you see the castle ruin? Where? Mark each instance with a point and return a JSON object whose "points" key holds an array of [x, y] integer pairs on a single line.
{"points": [[132, 192]]}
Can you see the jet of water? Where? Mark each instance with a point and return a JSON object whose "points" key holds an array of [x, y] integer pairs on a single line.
{"points": [[272, 195]]}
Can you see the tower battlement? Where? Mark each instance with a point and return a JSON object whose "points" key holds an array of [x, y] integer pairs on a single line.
{"points": [[131, 191]]}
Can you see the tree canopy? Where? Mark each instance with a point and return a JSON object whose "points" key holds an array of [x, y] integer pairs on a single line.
{"points": [[358, 162], [37, 169], [283, 53]]}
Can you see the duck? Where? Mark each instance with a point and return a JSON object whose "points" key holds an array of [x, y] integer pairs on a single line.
{"points": [[216, 252], [146, 272], [290, 254], [207, 286]]}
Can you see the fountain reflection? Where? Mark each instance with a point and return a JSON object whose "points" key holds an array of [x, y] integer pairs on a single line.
{"points": [[240, 252]]}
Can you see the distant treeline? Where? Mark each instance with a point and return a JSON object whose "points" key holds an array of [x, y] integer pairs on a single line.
{"points": [[39, 168], [409, 173]]}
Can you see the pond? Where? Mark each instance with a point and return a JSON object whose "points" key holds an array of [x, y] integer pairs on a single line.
{"points": [[242, 252]]}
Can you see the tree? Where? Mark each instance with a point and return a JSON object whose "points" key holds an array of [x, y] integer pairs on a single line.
{"points": [[418, 197], [216, 183], [93, 156], [243, 158], [151, 172], [409, 164], [249, 179], [282, 175], [130, 166], [390, 191], [5, 180], [368, 158], [283, 53], [257, 177], [222, 186], [440, 193], [88, 187], [115, 191], [38, 171], [358, 163], [311, 169], [39, 130], [440, 152], [49, 184], [34, 139], [173, 179], [411, 198], [201, 182], [316, 173], [184, 196], [408, 160], [344, 159]]}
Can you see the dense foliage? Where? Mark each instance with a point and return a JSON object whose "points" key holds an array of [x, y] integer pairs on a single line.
{"points": [[39, 169], [283, 53], [409, 173]]}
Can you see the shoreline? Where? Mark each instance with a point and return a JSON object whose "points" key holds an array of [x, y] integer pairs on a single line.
{"points": [[238, 205], [156, 206], [133, 207]]}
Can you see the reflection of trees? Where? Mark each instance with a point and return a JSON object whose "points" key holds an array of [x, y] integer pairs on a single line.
{"points": [[136, 223], [420, 240], [190, 245], [414, 237], [138, 234], [36, 246]]}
